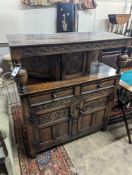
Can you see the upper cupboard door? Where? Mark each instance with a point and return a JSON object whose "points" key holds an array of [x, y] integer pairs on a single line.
{"points": [[73, 65]]}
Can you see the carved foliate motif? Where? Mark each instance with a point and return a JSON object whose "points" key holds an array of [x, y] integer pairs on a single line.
{"points": [[93, 104], [54, 104], [55, 115], [18, 53], [101, 93], [73, 63]]}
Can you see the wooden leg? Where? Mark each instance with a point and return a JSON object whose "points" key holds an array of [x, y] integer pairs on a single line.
{"points": [[126, 124], [121, 62], [104, 128], [121, 105]]}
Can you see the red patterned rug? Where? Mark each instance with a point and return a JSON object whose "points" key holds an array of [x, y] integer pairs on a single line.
{"points": [[52, 162]]}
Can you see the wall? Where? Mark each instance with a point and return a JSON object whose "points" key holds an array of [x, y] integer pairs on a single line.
{"points": [[18, 18]]}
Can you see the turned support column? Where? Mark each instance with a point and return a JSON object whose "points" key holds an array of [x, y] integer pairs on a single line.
{"points": [[21, 77], [121, 61]]}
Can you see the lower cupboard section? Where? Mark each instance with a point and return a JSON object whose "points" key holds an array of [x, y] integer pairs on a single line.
{"points": [[64, 123], [65, 115]]}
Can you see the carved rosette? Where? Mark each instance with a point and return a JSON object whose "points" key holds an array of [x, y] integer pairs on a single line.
{"points": [[56, 115]]}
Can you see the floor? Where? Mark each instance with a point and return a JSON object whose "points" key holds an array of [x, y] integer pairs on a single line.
{"points": [[102, 153]]}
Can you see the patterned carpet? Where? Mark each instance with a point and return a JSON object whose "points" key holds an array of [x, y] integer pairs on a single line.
{"points": [[52, 162]]}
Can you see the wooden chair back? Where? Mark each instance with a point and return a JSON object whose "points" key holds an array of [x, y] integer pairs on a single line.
{"points": [[118, 23]]}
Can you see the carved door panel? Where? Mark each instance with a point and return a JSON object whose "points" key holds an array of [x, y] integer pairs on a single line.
{"points": [[73, 65], [92, 114], [53, 126]]}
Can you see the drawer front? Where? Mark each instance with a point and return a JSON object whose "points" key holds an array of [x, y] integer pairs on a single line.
{"points": [[47, 97], [52, 106], [97, 85]]}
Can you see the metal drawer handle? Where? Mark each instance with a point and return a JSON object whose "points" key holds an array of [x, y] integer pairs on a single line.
{"points": [[82, 112], [72, 115], [54, 95], [99, 86]]}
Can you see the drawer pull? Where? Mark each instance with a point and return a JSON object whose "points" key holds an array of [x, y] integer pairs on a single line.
{"points": [[99, 86], [72, 115], [54, 95], [74, 119], [82, 112]]}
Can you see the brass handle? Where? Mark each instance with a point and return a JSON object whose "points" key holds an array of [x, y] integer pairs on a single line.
{"points": [[54, 95]]}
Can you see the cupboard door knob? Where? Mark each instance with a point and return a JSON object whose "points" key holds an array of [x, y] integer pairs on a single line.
{"points": [[54, 95]]}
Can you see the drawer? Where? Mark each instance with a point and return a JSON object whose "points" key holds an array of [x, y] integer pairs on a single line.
{"points": [[97, 85], [47, 97]]}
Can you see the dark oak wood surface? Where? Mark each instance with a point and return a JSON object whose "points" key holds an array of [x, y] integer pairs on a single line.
{"points": [[62, 38], [96, 73], [68, 93], [60, 111], [61, 56]]}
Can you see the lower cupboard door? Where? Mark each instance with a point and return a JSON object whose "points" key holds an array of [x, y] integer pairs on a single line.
{"points": [[90, 121], [53, 128], [99, 118]]}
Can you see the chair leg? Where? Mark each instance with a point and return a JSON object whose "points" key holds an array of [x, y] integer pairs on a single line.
{"points": [[121, 105], [126, 124]]}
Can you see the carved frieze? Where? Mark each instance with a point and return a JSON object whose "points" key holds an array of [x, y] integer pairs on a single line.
{"points": [[97, 93], [92, 104], [54, 104], [18, 53]]}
